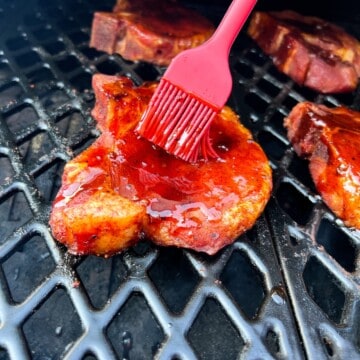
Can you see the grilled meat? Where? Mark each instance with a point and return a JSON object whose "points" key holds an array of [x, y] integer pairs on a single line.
{"points": [[122, 186], [149, 30], [313, 52], [330, 139]]}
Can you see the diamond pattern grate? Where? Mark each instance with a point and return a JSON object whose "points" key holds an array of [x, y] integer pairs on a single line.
{"points": [[288, 288]]}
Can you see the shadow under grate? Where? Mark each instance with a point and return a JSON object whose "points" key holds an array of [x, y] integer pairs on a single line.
{"points": [[137, 337], [55, 322], [337, 244], [48, 179], [294, 203], [101, 278], [325, 289], [21, 117], [7, 172], [174, 277], [207, 341], [15, 211], [245, 286]]}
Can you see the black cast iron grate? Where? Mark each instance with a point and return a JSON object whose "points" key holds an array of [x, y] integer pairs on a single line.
{"points": [[287, 289]]}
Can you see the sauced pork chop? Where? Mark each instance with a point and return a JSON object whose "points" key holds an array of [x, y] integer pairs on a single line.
{"points": [[150, 30], [122, 186], [330, 139], [313, 52]]}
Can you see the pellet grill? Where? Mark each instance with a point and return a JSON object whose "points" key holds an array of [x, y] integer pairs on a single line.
{"points": [[287, 289]]}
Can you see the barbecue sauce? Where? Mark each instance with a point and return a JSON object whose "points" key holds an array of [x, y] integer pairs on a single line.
{"points": [[140, 171], [330, 139], [202, 205]]}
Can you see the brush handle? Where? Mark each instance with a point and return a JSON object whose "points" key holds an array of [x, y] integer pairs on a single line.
{"points": [[230, 25]]}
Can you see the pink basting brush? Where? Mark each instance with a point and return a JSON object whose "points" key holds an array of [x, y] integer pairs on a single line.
{"points": [[194, 88]]}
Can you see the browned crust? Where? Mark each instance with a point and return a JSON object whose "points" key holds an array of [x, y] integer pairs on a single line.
{"points": [[330, 139], [313, 52], [92, 215]]}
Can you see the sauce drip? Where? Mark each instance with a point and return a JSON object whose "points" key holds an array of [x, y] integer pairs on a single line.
{"points": [[172, 187], [128, 187]]}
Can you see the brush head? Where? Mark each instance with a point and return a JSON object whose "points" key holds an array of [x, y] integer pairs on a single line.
{"points": [[178, 122], [194, 88], [202, 72]]}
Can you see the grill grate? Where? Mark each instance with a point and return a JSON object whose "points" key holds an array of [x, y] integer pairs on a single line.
{"points": [[289, 288]]}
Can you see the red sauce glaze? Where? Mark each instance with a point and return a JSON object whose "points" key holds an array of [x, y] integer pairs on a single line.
{"points": [[188, 199], [342, 158], [330, 139], [139, 170]]}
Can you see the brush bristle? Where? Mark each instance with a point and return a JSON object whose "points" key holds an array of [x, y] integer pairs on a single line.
{"points": [[178, 122]]}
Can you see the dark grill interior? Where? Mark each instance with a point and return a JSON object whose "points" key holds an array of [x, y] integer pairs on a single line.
{"points": [[288, 288]]}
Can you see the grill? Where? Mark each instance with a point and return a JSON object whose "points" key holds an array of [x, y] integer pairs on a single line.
{"points": [[287, 289]]}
